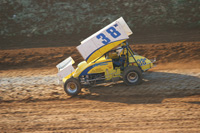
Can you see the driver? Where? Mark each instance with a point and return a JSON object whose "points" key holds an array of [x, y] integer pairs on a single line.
{"points": [[113, 55]]}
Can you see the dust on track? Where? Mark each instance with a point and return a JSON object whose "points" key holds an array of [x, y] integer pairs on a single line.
{"points": [[168, 100]]}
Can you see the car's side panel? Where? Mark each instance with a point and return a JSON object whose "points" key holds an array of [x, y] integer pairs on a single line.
{"points": [[144, 63], [94, 67], [112, 73], [80, 68], [101, 67]]}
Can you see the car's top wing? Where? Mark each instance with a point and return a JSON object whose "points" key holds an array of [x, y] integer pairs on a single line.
{"points": [[104, 40]]}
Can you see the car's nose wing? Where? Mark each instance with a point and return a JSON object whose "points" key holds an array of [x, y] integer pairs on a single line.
{"points": [[65, 68]]}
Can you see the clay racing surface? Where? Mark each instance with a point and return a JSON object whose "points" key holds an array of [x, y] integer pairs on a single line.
{"points": [[168, 100]]}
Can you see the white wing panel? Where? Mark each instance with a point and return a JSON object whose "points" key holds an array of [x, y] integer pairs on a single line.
{"points": [[124, 26], [116, 31], [65, 63], [65, 72], [65, 68]]}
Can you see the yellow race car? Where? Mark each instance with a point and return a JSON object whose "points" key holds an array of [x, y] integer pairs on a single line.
{"points": [[108, 57]]}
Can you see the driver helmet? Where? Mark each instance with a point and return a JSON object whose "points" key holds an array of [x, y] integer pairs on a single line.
{"points": [[119, 51]]}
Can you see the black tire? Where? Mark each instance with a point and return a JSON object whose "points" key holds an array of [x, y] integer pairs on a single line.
{"points": [[132, 76], [72, 87]]}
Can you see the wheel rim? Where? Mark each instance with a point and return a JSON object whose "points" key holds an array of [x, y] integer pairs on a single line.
{"points": [[72, 87], [132, 77]]}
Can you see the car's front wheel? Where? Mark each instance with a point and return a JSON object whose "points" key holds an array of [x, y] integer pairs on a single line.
{"points": [[72, 87]]}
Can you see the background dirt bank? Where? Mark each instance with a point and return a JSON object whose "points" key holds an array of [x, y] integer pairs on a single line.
{"points": [[142, 36], [50, 57]]}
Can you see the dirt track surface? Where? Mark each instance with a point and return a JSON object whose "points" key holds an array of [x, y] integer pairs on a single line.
{"points": [[167, 101], [31, 100]]}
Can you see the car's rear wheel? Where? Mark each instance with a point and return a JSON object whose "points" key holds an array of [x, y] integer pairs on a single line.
{"points": [[72, 87], [132, 75]]}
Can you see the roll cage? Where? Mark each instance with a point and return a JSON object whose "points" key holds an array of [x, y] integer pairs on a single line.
{"points": [[125, 47]]}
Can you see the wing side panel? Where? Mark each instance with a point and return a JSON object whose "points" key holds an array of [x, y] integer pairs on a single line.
{"points": [[99, 52], [92, 47]]}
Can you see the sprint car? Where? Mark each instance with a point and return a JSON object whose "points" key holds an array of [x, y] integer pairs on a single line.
{"points": [[107, 57]]}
